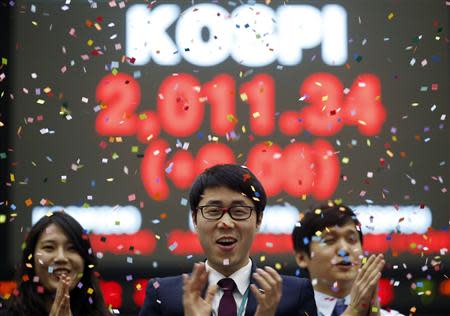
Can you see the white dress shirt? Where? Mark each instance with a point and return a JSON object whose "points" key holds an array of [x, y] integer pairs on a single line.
{"points": [[325, 305], [242, 279]]}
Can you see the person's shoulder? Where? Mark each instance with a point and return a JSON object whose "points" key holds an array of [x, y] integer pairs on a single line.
{"points": [[165, 284], [293, 281], [167, 281]]}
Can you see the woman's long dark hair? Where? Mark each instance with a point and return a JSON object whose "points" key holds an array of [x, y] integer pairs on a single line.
{"points": [[26, 300]]}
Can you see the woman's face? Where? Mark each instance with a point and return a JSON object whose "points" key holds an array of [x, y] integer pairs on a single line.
{"points": [[55, 256]]}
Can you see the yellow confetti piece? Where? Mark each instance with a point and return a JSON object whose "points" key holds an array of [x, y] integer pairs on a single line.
{"points": [[256, 115], [114, 71], [368, 142], [90, 42], [244, 130], [47, 89], [134, 149], [374, 309], [318, 233], [4, 61], [142, 116], [364, 260], [2, 218], [394, 138], [317, 211], [278, 266], [304, 196], [34, 23], [325, 98], [232, 118], [262, 258], [138, 286], [12, 177], [244, 97], [390, 16], [389, 153], [90, 291], [345, 160]]}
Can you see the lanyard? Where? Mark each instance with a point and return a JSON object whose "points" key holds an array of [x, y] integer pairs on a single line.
{"points": [[241, 311]]}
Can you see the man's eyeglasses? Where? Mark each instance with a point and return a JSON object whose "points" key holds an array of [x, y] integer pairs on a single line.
{"points": [[214, 212]]}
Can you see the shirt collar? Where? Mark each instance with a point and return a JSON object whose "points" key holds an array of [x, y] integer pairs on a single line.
{"points": [[325, 303], [241, 277]]}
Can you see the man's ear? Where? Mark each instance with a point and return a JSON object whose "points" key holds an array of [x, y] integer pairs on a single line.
{"points": [[302, 259], [194, 219], [259, 218]]}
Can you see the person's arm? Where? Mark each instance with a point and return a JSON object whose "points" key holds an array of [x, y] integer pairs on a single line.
{"points": [[61, 304], [193, 303], [271, 284], [364, 294], [151, 303]]}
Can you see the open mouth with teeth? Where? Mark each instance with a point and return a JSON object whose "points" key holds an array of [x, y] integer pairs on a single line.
{"points": [[226, 243], [58, 273]]}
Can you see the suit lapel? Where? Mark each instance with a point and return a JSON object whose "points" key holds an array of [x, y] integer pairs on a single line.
{"points": [[252, 302]]}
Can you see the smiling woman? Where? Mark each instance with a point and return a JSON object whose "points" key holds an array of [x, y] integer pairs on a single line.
{"points": [[56, 275]]}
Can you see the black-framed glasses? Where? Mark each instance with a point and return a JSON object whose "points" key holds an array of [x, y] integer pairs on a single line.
{"points": [[214, 212]]}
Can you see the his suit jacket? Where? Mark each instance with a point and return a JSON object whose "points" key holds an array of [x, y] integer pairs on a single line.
{"points": [[164, 297]]}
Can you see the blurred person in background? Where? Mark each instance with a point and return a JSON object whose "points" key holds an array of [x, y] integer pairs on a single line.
{"points": [[328, 244], [57, 274]]}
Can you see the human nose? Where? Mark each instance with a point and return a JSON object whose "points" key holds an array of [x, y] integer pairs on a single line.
{"points": [[226, 221], [60, 255], [344, 248]]}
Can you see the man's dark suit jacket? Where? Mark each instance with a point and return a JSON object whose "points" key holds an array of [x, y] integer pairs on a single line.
{"points": [[164, 297]]}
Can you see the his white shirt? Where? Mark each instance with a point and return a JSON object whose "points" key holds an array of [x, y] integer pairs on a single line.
{"points": [[242, 279], [325, 305]]}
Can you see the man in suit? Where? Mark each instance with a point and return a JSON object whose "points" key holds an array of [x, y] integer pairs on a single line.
{"points": [[328, 243], [227, 204]]}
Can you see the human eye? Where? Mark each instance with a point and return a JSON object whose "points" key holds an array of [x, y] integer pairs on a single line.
{"points": [[328, 240], [212, 211], [352, 238], [47, 247], [240, 211], [71, 247]]}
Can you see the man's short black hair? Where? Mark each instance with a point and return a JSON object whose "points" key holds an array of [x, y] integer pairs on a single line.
{"points": [[319, 218], [234, 177]]}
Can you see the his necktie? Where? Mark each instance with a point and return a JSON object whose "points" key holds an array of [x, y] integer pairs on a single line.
{"points": [[339, 308], [227, 305]]}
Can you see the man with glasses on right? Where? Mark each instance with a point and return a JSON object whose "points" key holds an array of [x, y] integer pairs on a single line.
{"points": [[328, 244], [227, 204]]}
